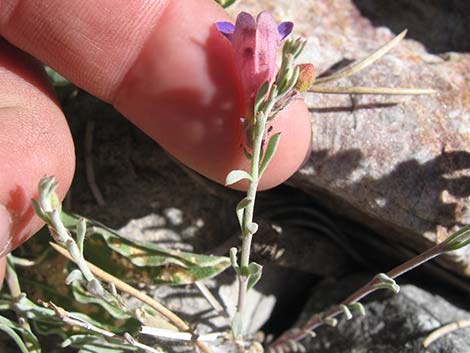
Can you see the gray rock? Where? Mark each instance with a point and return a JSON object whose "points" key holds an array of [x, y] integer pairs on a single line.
{"points": [[440, 26], [398, 164], [393, 324]]}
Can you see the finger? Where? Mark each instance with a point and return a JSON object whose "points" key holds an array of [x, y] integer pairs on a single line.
{"points": [[2, 270], [34, 141], [163, 65]]}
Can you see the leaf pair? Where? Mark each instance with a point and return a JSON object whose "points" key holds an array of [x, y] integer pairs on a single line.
{"points": [[253, 271], [254, 274]]}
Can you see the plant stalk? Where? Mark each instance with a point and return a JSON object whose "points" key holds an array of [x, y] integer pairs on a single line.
{"points": [[13, 284], [298, 334], [249, 211]]}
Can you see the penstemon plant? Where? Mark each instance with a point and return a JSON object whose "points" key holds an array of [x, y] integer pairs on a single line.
{"points": [[111, 326], [255, 44], [267, 92]]}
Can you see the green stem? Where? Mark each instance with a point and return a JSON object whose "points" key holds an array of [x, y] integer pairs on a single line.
{"points": [[297, 334], [249, 211], [265, 102], [12, 279], [13, 284]]}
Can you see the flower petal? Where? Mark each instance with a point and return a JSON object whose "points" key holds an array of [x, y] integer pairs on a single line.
{"points": [[267, 45], [226, 28], [244, 19], [256, 44], [244, 44], [284, 29]]}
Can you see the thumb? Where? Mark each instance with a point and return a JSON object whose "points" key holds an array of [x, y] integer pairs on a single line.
{"points": [[34, 141]]}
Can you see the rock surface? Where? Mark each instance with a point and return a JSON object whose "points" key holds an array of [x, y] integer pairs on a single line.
{"points": [[399, 164], [393, 324]]}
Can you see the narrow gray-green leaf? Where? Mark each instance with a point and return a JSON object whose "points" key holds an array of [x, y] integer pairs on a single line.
{"points": [[37, 209], [385, 282], [15, 337], [237, 325], [244, 203], [293, 79], [240, 209], [82, 297], [270, 150], [358, 308], [252, 228], [261, 95], [457, 240], [240, 215], [75, 275], [346, 311], [11, 328], [255, 274], [57, 79], [95, 344], [235, 176], [331, 321], [247, 154], [234, 259]]}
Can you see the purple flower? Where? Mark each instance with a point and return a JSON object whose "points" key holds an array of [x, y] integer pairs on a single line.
{"points": [[256, 43]]}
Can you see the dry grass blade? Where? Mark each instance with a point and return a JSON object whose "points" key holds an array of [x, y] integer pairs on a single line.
{"points": [[444, 330], [370, 90], [206, 293], [361, 64]]}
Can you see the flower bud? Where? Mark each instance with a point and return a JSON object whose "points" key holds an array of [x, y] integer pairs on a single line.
{"points": [[306, 77]]}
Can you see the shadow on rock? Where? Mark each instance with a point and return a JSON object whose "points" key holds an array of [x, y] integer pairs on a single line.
{"points": [[413, 195], [442, 26]]}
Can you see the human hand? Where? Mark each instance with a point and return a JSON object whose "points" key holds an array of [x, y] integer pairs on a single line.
{"points": [[161, 63]]}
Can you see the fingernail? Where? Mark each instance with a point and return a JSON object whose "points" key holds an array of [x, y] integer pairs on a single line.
{"points": [[5, 230]]}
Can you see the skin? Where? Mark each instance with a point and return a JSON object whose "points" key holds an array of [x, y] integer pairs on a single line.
{"points": [[161, 63]]}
